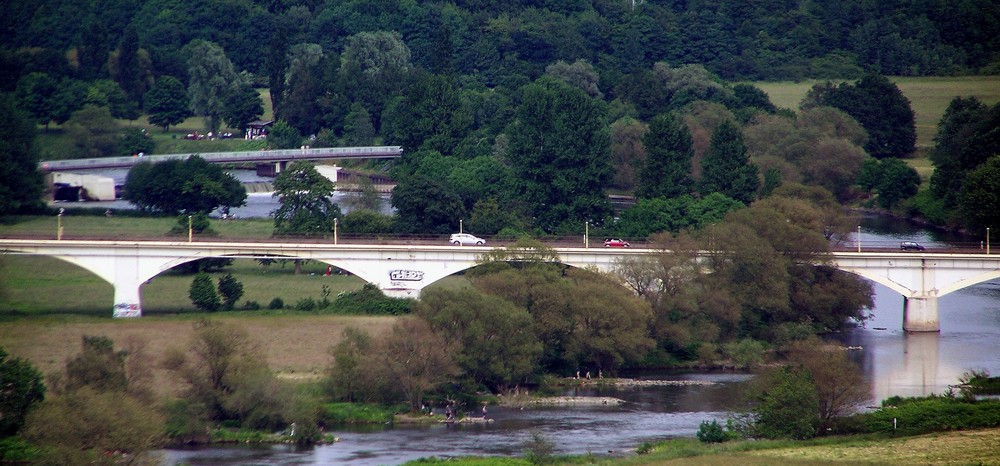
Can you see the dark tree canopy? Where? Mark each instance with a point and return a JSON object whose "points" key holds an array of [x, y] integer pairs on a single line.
{"points": [[182, 186], [559, 151], [426, 205], [21, 184], [967, 137], [979, 200], [726, 168], [242, 105], [22, 388], [306, 205], [669, 151], [881, 109], [167, 102]]}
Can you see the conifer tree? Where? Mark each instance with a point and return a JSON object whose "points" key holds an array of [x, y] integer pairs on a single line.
{"points": [[726, 167], [203, 293], [668, 159]]}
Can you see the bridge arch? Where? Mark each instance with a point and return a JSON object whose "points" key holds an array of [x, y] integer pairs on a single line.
{"points": [[403, 270]]}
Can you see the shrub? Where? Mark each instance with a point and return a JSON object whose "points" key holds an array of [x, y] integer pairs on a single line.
{"points": [[370, 300], [251, 305], [745, 353], [356, 413], [186, 421], [231, 290], [306, 304], [914, 416], [203, 294], [711, 432], [276, 303], [539, 449]]}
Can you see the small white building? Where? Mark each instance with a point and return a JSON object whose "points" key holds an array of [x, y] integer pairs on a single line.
{"points": [[329, 171]]}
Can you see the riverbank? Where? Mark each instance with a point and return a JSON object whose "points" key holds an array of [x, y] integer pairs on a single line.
{"points": [[943, 448]]}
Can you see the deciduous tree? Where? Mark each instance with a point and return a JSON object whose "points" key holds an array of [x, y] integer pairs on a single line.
{"points": [[426, 206], [94, 133], [189, 186], [559, 152], [212, 78], [166, 103], [980, 197], [87, 426], [879, 106], [36, 94], [284, 136], [840, 388], [226, 373], [494, 340], [306, 205], [375, 66], [242, 105], [415, 359]]}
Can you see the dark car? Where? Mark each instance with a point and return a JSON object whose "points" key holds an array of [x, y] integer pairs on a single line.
{"points": [[910, 246]]}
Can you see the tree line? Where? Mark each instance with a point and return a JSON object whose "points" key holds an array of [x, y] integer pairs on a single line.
{"points": [[500, 42]]}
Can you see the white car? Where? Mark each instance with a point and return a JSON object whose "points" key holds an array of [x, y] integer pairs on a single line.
{"points": [[461, 239]]}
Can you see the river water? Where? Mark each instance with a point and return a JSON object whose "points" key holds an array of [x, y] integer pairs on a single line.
{"points": [[893, 363]]}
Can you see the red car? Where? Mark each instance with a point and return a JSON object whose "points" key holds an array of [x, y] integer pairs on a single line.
{"points": [[615, 243]]}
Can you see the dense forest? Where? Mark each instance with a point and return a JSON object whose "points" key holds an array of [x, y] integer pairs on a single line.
{"points": [[541, 107], [498, 43]]}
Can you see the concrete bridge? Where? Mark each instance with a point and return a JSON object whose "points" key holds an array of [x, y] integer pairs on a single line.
{"points": [[278, 157], [404, 270]]}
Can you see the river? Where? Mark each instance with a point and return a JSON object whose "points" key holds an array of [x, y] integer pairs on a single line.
{"points": [[893, 363]]}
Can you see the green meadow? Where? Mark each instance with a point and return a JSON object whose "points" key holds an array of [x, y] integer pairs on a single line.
{"points": [[929, 97]]}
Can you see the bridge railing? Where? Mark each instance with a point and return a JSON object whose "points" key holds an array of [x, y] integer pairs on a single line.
{"points": [[81, 226]]}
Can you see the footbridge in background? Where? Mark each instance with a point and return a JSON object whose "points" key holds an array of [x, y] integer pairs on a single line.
{"points": [[278, 157], [404, 270]]}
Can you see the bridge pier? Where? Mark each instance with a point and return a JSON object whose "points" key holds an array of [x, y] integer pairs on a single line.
{"points": [[921, 314], [127, 300]]}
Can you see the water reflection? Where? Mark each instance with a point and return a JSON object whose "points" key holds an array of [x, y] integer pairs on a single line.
{"points": [[920, 364]]}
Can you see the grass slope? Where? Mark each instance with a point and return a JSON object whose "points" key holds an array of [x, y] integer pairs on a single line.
{"points": [[929, 97], [296, 345]]}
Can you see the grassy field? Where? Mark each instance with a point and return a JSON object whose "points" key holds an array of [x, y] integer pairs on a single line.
{"points": [[929, 97], [54, 142], [129, 227], [296, 345], [956, 448], [38, 285]]}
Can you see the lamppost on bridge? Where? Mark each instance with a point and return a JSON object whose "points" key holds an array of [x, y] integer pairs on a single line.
{"points": [[460, 225], [859, 238], [190, 229], [335, 220], [987, 240], [586, 234], [59, 226]]}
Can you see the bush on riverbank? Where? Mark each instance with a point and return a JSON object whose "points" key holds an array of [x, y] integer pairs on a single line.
{"points": [[913, 416], [358, 413], [371, 301], [980, 383]]}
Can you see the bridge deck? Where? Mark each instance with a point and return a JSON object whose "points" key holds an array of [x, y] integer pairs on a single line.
{"points": [[262, 156]]}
